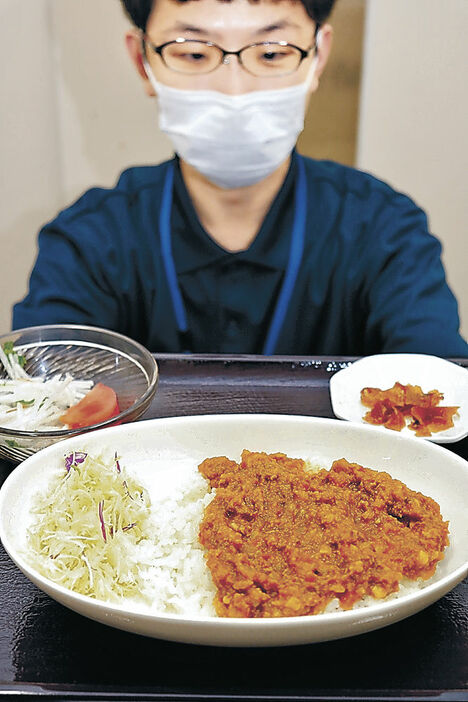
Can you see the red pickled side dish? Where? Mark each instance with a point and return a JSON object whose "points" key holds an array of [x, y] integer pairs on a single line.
{"points": [[407, 405]]}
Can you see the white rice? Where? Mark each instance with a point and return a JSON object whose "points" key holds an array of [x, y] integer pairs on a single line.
{"points": [[178, 579]]}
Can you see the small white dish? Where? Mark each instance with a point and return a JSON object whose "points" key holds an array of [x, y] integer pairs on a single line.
{"points": [[149, 446], [382, 371]]}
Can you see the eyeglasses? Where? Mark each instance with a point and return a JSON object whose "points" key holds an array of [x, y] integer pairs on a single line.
{"points": [[265, 59]]}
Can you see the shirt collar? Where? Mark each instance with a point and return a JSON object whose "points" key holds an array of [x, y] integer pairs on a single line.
{"points": [[193, 248]]}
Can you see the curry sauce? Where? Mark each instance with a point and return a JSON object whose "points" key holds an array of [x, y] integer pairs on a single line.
{"points": [[281, 540]]}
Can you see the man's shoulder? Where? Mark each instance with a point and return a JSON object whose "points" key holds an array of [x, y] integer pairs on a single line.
{"points": [[137, 178], [342, 181], [100, 201]]}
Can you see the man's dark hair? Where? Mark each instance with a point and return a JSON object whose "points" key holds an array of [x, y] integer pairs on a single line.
{"points": [[140, 10]]}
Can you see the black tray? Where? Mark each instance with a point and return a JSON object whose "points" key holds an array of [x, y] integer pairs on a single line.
{"points": [[49, 651]]}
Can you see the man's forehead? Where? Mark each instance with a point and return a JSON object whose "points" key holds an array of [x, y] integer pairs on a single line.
{"points": [[252, 15], [187, 3]]}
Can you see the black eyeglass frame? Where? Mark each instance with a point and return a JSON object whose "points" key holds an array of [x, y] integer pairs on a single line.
{"points": [[304, 53]]}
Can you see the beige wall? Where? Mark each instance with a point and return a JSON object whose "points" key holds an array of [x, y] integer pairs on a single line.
{"points": [[73, 115], [29, 155], [106, 121], [332, 121], [414, 112]]}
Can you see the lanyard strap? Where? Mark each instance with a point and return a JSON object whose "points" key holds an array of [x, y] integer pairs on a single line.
{"points": [[296, 249]]}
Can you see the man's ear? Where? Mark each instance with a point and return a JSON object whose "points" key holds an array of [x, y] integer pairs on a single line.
{"points": [[134, 48], [324, 45]]}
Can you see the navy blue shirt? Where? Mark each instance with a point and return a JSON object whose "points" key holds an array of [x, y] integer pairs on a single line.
{"points": [[370, 281]]}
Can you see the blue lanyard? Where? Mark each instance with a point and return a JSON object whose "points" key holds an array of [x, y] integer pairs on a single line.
{"points": [[296, 249]]}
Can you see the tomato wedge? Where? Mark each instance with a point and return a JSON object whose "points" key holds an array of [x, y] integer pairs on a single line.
{"points": [[99, 404]]}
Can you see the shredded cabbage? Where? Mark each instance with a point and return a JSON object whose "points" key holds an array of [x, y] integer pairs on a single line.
{"points": [[87, 526]]}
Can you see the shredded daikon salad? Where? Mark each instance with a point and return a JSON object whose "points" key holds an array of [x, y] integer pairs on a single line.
{"points": [[32, 403], [86, 526]]}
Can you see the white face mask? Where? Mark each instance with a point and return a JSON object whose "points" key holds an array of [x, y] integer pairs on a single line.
{"points": [[233, 140]]}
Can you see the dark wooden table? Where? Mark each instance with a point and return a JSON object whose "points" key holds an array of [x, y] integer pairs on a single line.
{"points": [[48, 651]]}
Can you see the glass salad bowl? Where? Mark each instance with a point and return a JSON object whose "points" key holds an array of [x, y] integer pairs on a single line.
{"points": [[70, 353]]}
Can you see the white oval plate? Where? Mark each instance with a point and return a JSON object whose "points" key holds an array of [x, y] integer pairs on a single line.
{"points": [[149, 445], [383, 370]]}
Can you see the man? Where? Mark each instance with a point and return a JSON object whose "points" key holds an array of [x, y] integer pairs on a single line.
{"points": [[240, 245]]}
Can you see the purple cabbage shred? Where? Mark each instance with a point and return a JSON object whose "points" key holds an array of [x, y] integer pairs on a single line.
{"points": [[101, 519], [74, 458]]}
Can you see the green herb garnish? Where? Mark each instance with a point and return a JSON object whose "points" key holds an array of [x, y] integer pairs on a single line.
{"points": [[12, 443], [27, 403], [9, 350]]}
